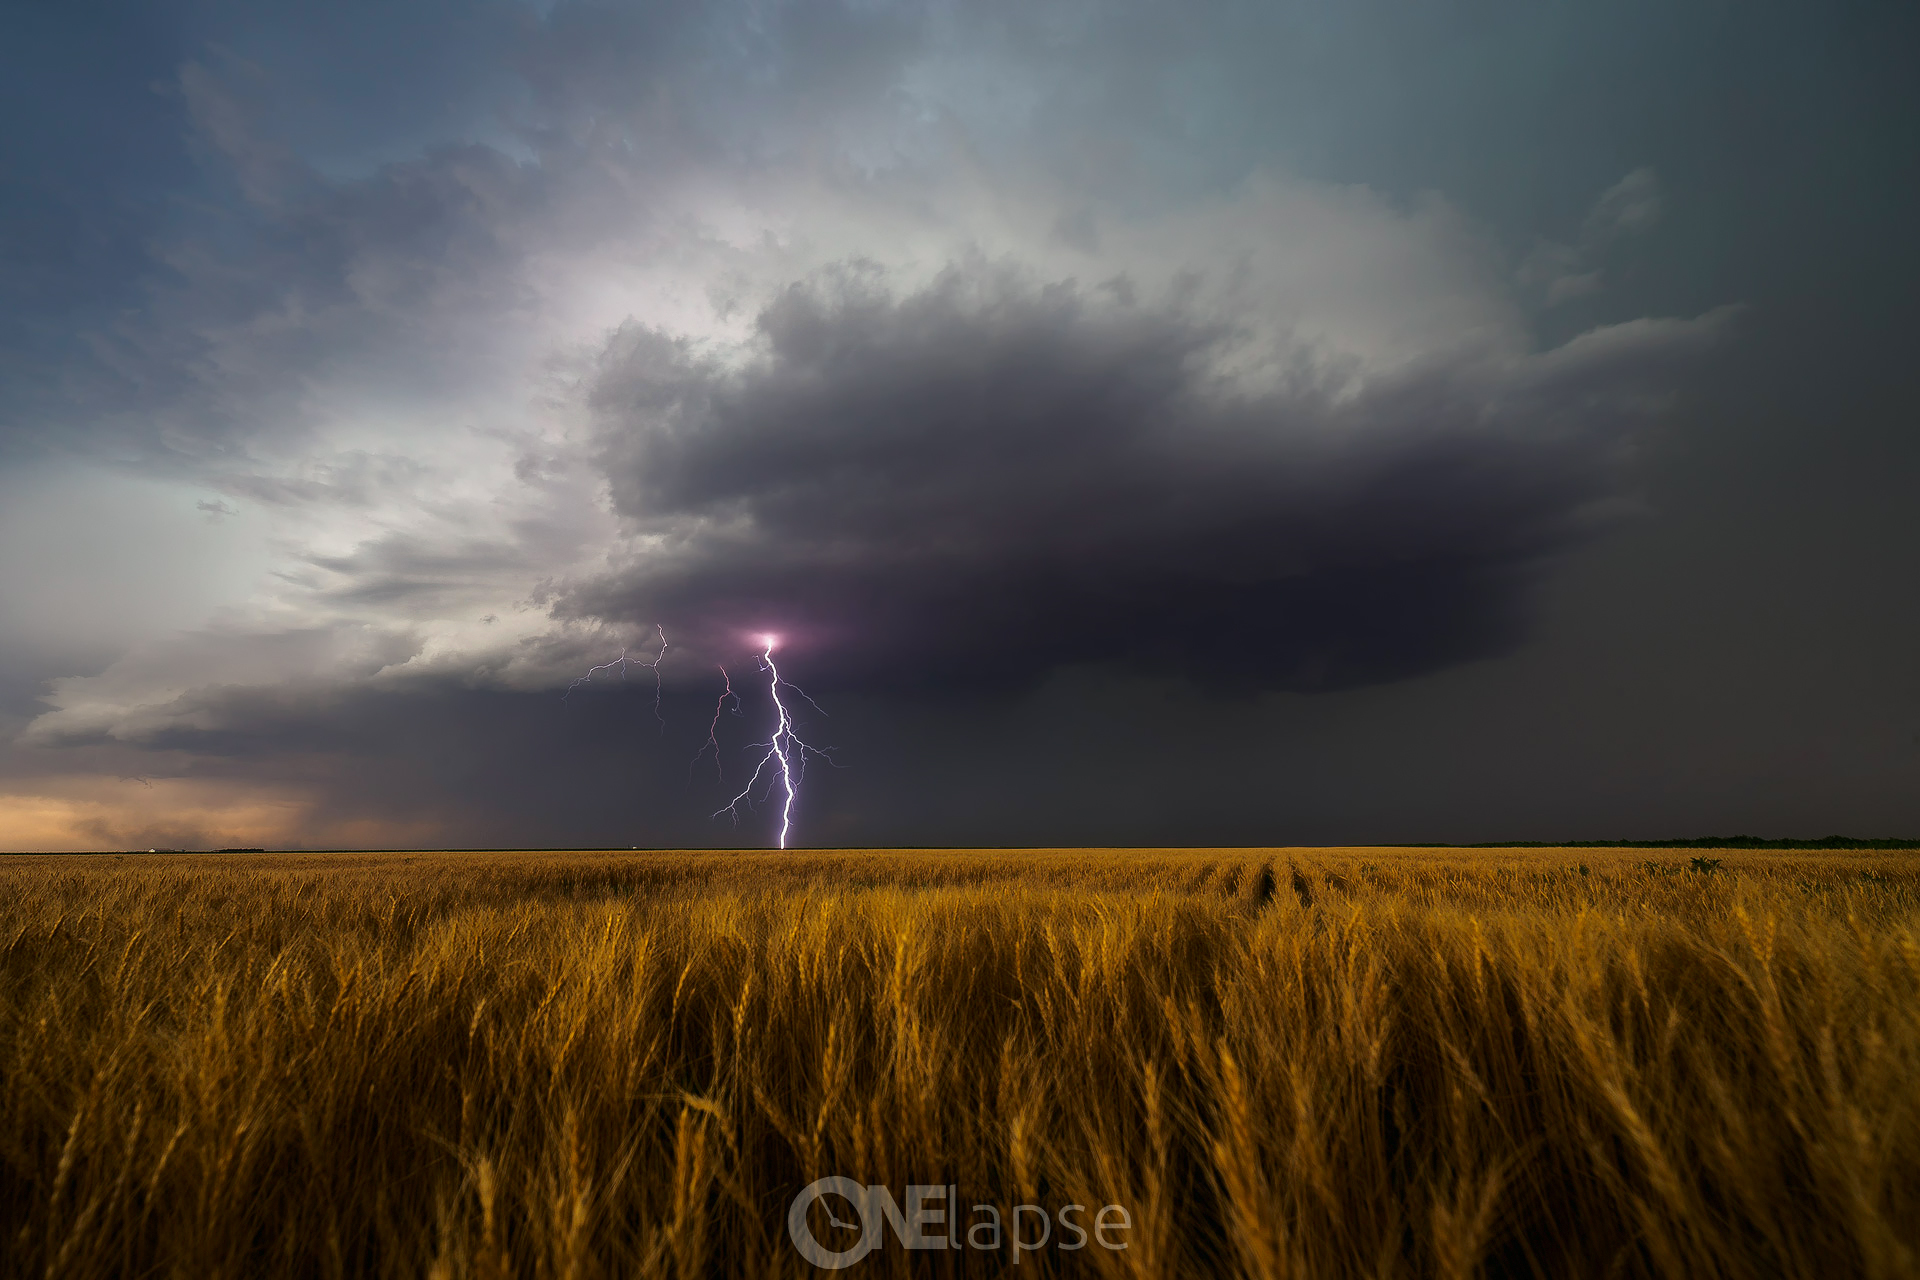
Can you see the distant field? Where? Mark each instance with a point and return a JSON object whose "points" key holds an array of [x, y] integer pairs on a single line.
{"points": [[1294, 1062]]}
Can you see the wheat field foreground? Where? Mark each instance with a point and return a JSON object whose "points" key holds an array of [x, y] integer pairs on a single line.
{"points": [[1311, 1063]]}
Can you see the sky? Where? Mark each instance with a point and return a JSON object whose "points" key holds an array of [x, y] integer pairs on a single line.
{"points": [[1139, 423]]}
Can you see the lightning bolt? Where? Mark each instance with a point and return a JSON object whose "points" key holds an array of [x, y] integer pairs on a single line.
{"points": [[623, 662], [786, 753], [713, 730]]}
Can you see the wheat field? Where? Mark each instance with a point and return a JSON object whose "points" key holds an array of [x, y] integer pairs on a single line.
{"points": [[1294, 1062]]}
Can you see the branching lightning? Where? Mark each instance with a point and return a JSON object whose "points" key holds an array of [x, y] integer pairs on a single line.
{"points": [[623, 662], [785, 762], [713, 730]]}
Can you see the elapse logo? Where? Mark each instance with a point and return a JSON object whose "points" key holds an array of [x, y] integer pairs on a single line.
{"points": [[928, 1220]]}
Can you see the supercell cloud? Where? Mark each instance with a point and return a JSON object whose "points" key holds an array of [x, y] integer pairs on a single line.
{"points": [[978, 478]]}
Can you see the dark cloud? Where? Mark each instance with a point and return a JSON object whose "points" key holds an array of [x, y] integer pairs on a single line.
{"points": [[992, 477]]}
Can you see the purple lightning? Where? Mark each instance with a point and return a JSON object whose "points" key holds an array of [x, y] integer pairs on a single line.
{"points": [[785, 752], [622, 662]]}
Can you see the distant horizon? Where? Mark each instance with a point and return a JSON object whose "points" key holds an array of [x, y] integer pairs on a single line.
{"points": [[1691, 842]]}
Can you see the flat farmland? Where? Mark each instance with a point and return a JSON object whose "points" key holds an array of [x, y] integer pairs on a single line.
{"points": [[1253, 1062]]}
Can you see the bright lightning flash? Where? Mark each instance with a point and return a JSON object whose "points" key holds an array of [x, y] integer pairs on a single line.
{"points": [[786, 758], [623, 662]]}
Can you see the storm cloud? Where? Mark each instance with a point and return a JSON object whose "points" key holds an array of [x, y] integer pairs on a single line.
{"points": [[998, 474]]}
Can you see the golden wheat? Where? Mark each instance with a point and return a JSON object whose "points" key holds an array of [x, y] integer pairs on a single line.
{"points": [[1303, 1063]]}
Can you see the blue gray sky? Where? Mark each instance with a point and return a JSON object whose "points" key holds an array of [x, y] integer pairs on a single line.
{"points": [[1141, 423]]}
